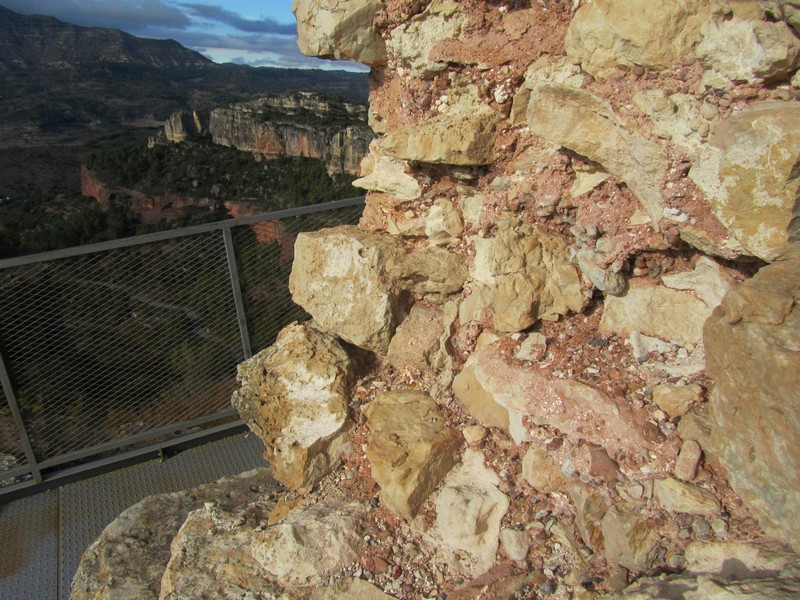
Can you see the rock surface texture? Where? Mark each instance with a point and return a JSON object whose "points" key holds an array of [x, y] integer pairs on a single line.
{"points": [[753, 353], [558, 355], [294, 396]]}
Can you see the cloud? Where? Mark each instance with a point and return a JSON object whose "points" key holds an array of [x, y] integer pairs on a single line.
{"points": [[135, 16], [230, 18]]}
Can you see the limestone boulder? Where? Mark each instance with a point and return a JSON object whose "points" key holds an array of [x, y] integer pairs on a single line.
{"points": [[531, 275], [752, 345], [580, 411], [410, 449], [339, 30], [654, 310], [337, 278], [294, 396], [748, 172], [464, 135], [545, 69], [605, 34], [211, 557], [310, 544], [752, 51], [469, 509], [412, 42], [674, 311], [582, 122], [130, 556], [388, 175]]}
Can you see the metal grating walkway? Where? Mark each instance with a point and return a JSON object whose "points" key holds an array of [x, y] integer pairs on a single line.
{"points": [[43, 536]]}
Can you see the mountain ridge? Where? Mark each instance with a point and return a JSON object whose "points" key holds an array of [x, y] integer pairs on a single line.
{"points": [[35, 41]]}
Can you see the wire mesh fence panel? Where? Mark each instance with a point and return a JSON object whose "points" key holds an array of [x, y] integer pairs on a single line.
{"points": [[264, 254], [133, 340], [115, 343]]}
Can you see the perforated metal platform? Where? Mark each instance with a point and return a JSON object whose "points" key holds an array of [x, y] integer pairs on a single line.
{"points": [[42, 537]]}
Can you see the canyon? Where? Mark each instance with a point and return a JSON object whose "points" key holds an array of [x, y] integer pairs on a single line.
{"points": [[558, 357]]}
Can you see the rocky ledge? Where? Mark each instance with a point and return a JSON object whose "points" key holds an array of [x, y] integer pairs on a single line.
{"points": [[559, 355]]}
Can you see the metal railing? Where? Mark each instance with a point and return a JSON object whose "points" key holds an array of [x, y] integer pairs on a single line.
{"points": [[113, 350]]}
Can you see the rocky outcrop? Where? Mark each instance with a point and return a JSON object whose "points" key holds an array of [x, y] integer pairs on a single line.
{"points": [[753, 353], [302, 124], [571, 378], [131, 555], [294, 396]]}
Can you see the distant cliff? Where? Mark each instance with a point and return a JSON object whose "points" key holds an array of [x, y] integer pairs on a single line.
{"points": [[152, 208], [301, 124]]}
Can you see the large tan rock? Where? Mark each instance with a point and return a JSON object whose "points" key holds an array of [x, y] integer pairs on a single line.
{"points": [[310, 544], [352, 282], [339, 30], [464, 135], [583, 123], [752, 345], [607, 33], [294, 396], [580, 411], [388, 175], [411, 43], [211, 557], [748, 172], [410, 449], [130, 556], [469, 509], [752, 51], [530, 273]]}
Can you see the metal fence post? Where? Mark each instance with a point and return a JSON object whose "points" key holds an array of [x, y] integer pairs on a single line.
{"points": [[241, 315], [20, 423]]}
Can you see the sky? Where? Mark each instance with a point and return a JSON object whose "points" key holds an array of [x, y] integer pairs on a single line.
{"points": [[259, 33]]}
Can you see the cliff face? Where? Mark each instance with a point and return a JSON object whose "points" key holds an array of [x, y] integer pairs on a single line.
{"points": [[293, 125], [576, 281]]}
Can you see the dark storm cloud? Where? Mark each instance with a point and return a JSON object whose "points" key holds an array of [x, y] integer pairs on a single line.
{"points": [[135, 16], [230, 18]]}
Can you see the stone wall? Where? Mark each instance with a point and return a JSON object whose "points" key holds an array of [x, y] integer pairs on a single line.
{"points": [[565, 328]]}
